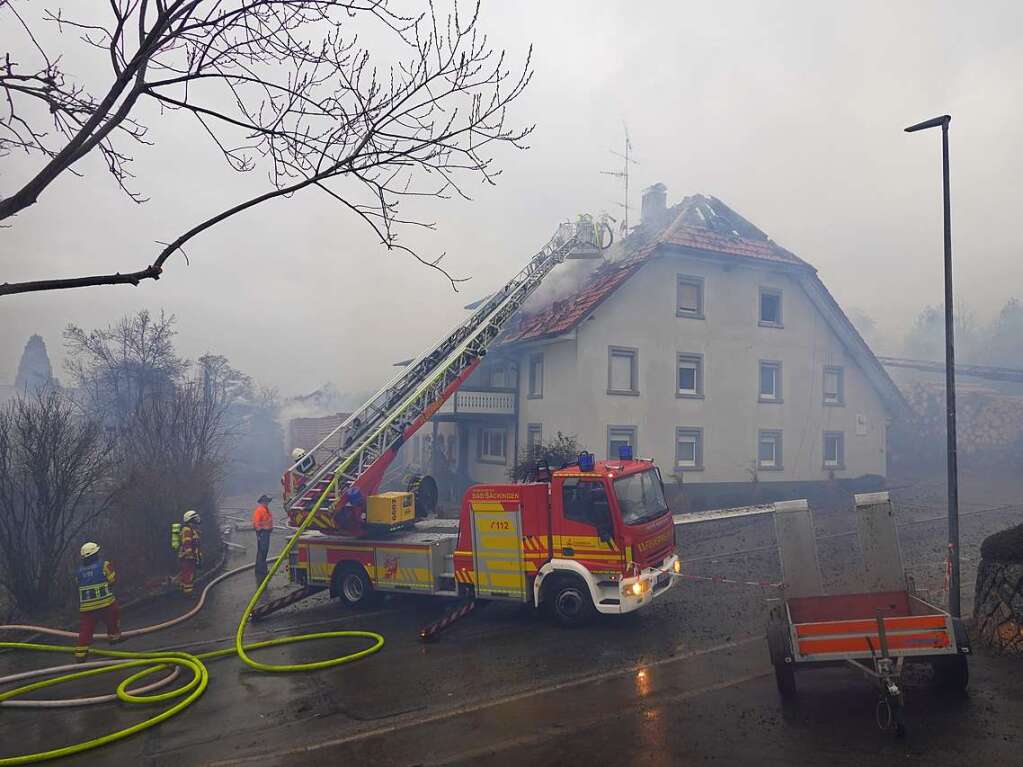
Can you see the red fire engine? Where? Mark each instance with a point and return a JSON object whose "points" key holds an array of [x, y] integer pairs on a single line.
{"points": [[591, 537], [596, 537]]}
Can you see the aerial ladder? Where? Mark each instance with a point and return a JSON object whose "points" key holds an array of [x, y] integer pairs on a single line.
{"points": [[369, 439]]}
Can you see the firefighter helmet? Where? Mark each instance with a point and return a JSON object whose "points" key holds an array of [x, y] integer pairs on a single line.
{"points": [[90, 548], [190, 516], [297, 454]]}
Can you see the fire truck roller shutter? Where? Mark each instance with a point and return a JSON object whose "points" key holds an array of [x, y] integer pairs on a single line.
{"points": [[497, 543]]}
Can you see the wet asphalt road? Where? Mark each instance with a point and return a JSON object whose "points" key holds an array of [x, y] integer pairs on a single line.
{"points": [[686, 681]]}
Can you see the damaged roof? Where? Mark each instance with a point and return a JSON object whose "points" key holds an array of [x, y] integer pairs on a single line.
{"points": [[699, 223]]}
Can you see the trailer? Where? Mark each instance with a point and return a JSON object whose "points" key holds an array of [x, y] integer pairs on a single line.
{"points": [[877, 630]]}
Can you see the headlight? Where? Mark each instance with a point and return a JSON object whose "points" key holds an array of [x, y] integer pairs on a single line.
{"points": [[677, 567], [636, 588]]}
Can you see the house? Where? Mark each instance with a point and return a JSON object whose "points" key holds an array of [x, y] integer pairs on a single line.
{"points": [[702, 344]]}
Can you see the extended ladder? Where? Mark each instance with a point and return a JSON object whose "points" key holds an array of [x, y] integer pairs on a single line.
{"points": [[370, 437]]}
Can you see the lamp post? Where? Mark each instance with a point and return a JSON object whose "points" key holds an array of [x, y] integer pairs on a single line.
{"points": [[950, 372]]}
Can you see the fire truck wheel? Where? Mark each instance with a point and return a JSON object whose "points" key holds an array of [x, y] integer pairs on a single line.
{"points": [[569, 601], [354, 587]]}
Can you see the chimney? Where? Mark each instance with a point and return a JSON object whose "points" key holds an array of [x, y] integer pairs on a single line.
{"points": [[655, 205]]}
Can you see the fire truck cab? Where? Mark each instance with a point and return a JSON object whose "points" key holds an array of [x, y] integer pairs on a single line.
{"points": [[596, 537]]}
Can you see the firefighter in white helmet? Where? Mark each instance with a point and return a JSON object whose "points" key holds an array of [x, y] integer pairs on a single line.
{"points": [[303, 463], [96, 600], [189, 551]]}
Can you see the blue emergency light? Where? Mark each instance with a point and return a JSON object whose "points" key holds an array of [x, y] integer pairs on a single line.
{"points": [[586, 462], [625, 452]]}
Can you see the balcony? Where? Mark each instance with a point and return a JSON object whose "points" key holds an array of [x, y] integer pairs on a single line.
{"points": [[479, 402]]}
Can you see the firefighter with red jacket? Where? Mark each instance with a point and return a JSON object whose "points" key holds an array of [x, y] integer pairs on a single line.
{"points": [[96, 600], [189, 552]]}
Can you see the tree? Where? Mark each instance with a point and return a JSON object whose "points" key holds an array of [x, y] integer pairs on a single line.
{"points": [[1005, 346], [118, 369], [34, 369], [561, 450], [926, 339], [54, 484], [285, 86]]}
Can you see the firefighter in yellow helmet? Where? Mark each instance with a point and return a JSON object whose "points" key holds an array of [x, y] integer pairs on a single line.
{"points": [[189, 551], [96, 600]]}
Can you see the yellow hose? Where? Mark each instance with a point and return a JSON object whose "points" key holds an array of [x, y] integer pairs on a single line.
{"points": [[153, 662]]}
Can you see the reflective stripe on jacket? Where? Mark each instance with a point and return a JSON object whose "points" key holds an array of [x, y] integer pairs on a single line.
{"points": [[189, 548], [94, 592], [261, 518]]}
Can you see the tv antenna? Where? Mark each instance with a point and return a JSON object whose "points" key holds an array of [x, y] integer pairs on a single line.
{"points": [[623, 174]]}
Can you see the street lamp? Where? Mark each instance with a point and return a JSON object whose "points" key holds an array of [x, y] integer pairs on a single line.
{"points": [[950, 373]]}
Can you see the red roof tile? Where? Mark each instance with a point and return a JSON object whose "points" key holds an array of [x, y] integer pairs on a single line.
{"points": [[693, 227]]}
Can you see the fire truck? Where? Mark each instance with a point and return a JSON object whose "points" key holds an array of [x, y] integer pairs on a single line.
{"points": [[590, 537], [595, 537]]}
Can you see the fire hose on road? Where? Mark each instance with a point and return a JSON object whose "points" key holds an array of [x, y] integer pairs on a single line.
{"points": [[149, 663]]}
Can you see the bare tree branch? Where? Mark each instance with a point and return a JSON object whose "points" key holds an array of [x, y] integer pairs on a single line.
{"points": [[282, 85]]}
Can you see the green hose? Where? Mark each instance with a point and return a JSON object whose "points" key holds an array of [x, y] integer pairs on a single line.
{"points": [[153, 662]]}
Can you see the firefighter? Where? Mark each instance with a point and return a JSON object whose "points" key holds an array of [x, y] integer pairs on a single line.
{"points": [[263, 524], [96, 600], [189, 551]]}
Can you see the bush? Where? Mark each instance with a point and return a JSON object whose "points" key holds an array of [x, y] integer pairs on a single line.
{"points": [[558, 452], [1004, 546]]}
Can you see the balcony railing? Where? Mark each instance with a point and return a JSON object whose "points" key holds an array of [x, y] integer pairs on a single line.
{"points": [[479, 402]]}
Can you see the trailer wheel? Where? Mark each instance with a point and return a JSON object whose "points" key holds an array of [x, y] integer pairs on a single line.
{"points": [[353, 586], [778, 645], [569, 601], [785, 678], [952, 673]]}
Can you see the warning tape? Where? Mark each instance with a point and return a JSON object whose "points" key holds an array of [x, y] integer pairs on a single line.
{"points": [[721, 579]]}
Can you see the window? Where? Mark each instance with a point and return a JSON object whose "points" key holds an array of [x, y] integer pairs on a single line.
{"points": [[536, 376], [834, 386], [690, 376], [770, 307], [689, 448], [491, 448], [834, 450], [617, 436], [770, 381], [502, 376], [534, 436], [622, 373], [769, 451], [690, 297], [585, 501]]}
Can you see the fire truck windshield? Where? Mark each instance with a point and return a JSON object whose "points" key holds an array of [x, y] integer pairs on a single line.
{"points": [[640, 497]]}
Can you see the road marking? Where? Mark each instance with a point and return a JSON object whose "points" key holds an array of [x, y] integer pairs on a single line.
{"points": [[493, 703]]}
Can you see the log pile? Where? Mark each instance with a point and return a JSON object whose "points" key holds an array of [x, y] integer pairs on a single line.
{"points": [[998, 607], [986, 420]]}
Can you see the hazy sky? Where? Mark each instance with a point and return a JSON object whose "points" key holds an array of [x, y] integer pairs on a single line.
{"points": [[790, 112]]}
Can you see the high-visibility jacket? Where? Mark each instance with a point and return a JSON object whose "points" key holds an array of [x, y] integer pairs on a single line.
{"points": [[94, 580], [189, 548], [261, 518]]}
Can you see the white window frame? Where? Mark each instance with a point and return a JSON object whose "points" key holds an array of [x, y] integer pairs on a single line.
{"points": [[839, 461], [485, 440], [780, 322], [694, 361], [698, 283], [777, 367], [535, 380], [697, 435], [777, 463], [633, 354], [618, 430], [839, 372], [534, 434]]}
